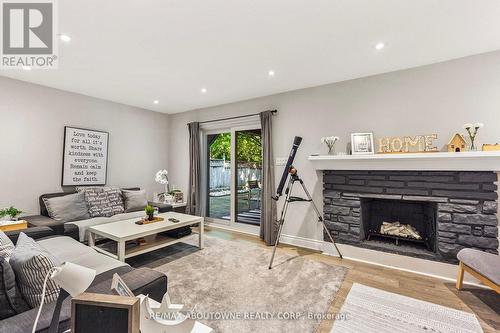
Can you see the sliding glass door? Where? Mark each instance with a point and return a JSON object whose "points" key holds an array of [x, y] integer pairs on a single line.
{"points": [[248, 176], [219, 176], [233, 167]]}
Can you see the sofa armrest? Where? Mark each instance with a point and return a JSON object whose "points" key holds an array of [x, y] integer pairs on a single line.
{"points": [[35, 233], [162, 207], [44, 221]]}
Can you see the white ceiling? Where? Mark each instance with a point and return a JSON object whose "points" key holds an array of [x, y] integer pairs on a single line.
{"points": [[137, 51]]}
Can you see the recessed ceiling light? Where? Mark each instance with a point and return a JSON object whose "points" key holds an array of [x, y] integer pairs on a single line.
{"points": [[270, 73], [156, 101], [27, 68], [65, 38], [380, 46], [204, 90]]}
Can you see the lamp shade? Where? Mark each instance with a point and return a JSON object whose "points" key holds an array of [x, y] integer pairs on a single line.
{"points": [[75, 279]]}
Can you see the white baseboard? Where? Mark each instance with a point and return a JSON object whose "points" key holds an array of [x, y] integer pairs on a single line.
{"points": [[419, 266], [308, 243]]}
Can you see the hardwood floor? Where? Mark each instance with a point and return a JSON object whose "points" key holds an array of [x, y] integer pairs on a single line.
{"points": [[471, 299]]}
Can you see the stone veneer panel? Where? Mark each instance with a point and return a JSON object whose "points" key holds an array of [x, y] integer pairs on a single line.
{"points": [[467, 205]]}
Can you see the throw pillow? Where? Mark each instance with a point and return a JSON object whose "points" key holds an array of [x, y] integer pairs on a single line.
{"points": [[31, 263], [11, 300], [134, 200], [6, 246], [103, 201], [67, 208]]}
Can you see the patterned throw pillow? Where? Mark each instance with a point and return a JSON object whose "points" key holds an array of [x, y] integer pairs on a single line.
{"points": [[103, 201], [6, 246], [31, 264]]}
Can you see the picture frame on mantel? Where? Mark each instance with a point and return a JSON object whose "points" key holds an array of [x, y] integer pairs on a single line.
{"points": [[85, 157], [362, 144]]}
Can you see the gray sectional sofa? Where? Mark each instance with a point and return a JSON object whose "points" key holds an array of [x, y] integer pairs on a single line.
{"points": [[78, 229], [64, 248]]}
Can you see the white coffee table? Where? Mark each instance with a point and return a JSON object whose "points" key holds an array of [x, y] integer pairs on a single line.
{"points": [[127, 230]]}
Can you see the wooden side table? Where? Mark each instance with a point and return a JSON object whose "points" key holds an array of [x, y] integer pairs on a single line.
{"points": [[13, 225]]}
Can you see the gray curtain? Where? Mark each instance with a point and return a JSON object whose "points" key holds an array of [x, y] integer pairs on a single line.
{"points": [[194, 196], [268, 225]]}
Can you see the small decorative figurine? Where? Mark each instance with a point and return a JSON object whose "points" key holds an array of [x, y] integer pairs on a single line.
{"points": [[457, 143]]}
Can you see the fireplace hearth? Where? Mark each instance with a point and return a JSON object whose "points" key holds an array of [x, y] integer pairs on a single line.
{"points": [[450, 210]]}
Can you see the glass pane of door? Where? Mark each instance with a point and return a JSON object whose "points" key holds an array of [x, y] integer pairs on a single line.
{"points": [[248, 176], [219, 176]]}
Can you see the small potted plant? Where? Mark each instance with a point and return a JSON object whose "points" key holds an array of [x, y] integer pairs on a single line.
{"points": [[150, 212], [12, 212]]}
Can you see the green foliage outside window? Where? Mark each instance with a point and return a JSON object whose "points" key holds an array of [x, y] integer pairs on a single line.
{"points": [[248, 148]]}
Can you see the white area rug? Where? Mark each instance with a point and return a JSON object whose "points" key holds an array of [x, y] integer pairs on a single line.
{"points": [[230, 278], [373, 310]]}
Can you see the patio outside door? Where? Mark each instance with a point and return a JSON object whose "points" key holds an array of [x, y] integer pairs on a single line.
{"points": [[233, 176]]}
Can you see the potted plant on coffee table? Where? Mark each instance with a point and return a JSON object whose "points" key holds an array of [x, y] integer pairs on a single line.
{"points": [[150, 212]]}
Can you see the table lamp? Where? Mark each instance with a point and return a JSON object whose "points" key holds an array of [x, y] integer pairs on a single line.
{"points": [[73, 280]]}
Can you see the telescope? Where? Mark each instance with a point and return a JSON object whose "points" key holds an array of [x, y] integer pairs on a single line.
{"points": [[289, 198], [288, 168]]}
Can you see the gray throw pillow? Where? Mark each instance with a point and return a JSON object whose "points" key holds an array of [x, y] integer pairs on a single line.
{"points": [[67, 208], [103, 201], [31, 263], [11, 300], [134, 200], [6, 246]]}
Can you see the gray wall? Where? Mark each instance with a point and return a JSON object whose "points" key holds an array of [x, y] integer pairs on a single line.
{"points": [[432, 99], [32, 120]]}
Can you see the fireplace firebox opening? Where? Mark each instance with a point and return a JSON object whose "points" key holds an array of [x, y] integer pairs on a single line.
{"points": [[399, 222]]}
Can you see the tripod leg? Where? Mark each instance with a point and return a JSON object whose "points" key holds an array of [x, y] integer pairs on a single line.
{"points": [[320, 217], [282, 220], [331, 238]]}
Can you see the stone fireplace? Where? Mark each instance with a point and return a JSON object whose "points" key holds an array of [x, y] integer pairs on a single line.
{"points": [[449, 210]]}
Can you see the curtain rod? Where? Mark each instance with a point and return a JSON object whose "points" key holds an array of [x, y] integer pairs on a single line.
{"points": [[237, 117]]}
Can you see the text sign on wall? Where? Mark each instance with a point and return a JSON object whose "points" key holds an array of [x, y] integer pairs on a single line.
{"points": [[85, 157]]}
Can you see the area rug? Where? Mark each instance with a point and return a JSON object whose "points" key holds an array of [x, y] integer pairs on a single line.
{"points": [[369, 310], [230, 288]]}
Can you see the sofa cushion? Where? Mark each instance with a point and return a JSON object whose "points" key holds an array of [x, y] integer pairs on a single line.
{"points": [[11, 300], [134, 200], [6, 246], [31, 263], [72, 207], [103, 201], [67, 249]]}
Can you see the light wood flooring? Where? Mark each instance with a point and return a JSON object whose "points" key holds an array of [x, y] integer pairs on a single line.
{"points": [[429, 289]]}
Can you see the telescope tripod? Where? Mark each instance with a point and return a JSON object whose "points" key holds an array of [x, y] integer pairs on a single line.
{"points": [[289, 199]]}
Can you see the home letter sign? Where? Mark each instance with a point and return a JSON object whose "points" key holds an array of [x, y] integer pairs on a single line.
{"points": [[407, 144]]}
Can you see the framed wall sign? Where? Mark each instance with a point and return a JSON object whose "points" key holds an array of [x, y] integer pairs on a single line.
{"points": [[362, 143], [85, 157]]}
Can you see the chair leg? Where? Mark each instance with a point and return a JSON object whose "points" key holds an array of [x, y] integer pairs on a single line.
{"points": [[460, 277]]}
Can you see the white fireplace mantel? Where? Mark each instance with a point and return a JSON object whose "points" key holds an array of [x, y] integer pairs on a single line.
{"points": [[439, 161]]}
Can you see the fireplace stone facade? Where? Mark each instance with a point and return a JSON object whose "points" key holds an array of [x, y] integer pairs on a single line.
{"points": [[467, 203]]}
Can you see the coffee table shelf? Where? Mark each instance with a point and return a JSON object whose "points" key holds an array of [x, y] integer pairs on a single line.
{"points": [[123, 231]]}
